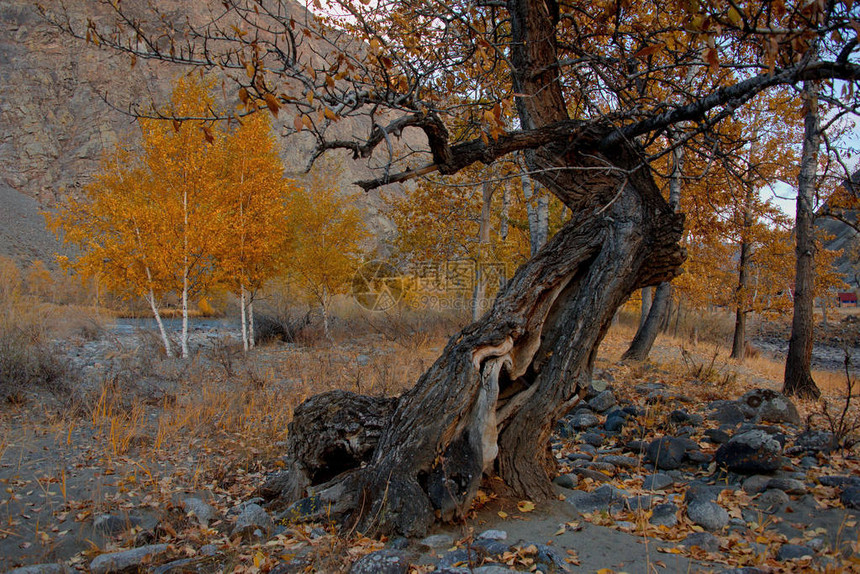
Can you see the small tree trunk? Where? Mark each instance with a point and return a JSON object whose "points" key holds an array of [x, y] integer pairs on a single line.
{"points": [[251, 340], [537, 209], [168, 348], [645, 308], [242, 316], [324, 302], [798, 364], [184, 338], [480, 287], [739, 337], [824, 311]]}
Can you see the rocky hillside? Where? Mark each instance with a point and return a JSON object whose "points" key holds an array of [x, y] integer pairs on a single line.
{"points": [[55, 123]]}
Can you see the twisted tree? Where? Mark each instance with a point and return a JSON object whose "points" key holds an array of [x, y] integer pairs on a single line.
{"points": [[591, 89]]}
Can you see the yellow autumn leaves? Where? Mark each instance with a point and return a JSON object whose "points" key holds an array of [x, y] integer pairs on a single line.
{"points": [[202, 204]]}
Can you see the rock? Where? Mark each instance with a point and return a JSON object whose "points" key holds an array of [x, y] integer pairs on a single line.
{"points": [[772, 500], [593, 439], [602, 402], [850, 497], [597, 386], [765, 405], [756, 483], [728, 414], [616, 421], [579, 456], [568, 480], [717, 436], [704, 540], [493, 535], [641, 502], [787, 485], [42, 569], [815, 441], [698, 492], [253, 518], [385, 561], [491, 547], [492, 569], [840, 481], [453, 557], [304, 510], [620, 460], [438, 541], [133, 559], [698, 457], [657, 481], [587, 448], [208, 550], [551, 557], [597, 465], [751, 452], [793, 552], [708, 515], [665, 514], [594, 475], [203, 512], [583, 420], [666, 453], [110, 525], [598, 499]]}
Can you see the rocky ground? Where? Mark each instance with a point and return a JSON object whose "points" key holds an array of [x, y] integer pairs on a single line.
{"points": [[659, 470]]}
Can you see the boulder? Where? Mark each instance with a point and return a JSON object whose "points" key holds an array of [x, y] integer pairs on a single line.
{"points": [[385, 561], [665, 514], [708, 515], [602, 402], [704, 540], [667, 453], [134, 559], [751, 452], [251, 519], [766, 405]]}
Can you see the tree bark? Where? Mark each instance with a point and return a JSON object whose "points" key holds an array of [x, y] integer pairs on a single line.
{"points": [[150, 296], [739, 338], [658, 309], [798, 374], [647, 295], [243, 316]]}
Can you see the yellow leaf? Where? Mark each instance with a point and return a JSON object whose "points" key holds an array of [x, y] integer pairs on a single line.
{"points": [[272, 103], [502, 514], [735, 16], [297, 123], [525, 506], [243, 95], [258, 559], [330, 114], [249, 69]]}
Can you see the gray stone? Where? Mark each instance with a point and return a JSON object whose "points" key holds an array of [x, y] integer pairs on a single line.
{"points": [[491, 547], [42, 569], [666, 453], [304, 510], [453, 557], [788, 485], [398, 543], [815, 441], [616, 421], [698, 457], [253, 518], [203, 512], [699, 492], [840, 481], [657, 481], [766, 405], [438, 541], [728, 414], [594, 475], [756, 483], [751, 452], [552, 557], [385, 561], [492, 569], [620, 460], [602, 402], [772, 500], [127, 559], [598, 499], [593, 439], [641, 502], [598, 386], [665, 514], [111, 525], [717, 436], [793, 552], [708, 515], [493, 535], [850, 497], [584, 420], [568, 480], [704, 540]]}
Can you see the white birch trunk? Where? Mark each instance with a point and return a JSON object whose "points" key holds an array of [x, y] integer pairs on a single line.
{"points": [[243, 316], [168, 348], [251, 340]]}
